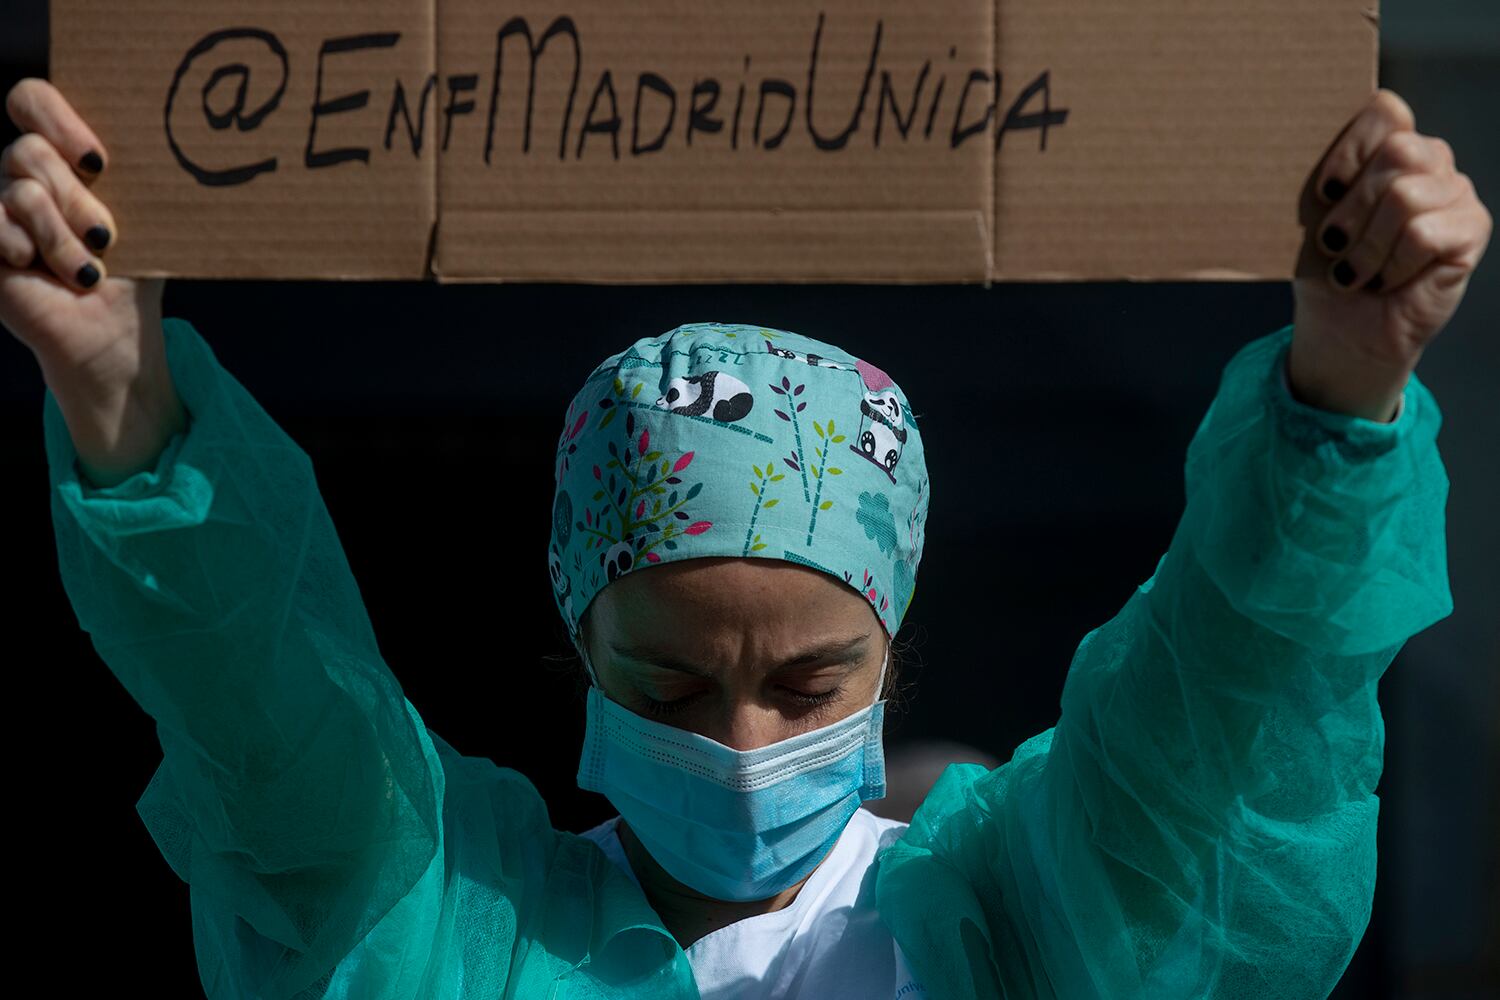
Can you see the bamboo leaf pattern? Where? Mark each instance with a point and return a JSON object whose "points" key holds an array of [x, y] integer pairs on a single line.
{"points": [[622, 514], [826, 433], [762, 502], [796, 459]]}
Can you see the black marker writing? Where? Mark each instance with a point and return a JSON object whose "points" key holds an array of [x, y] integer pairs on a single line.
{"points": [[661, 86], [518, 25], [348, 102], [398, 103], [698, 113], [226, 102], [236, 113], [457, 84], [1043, 119]]}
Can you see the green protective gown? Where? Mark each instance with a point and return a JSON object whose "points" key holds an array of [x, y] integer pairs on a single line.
{"points": [[1200, 821]]}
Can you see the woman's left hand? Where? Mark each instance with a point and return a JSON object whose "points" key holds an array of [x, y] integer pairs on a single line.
{"points": [[1393, 233]]}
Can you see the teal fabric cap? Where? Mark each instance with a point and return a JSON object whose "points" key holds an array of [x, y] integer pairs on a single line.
{"points": [[729, 439]]}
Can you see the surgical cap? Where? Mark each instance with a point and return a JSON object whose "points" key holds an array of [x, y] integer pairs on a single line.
{"points": [[729, 439]]}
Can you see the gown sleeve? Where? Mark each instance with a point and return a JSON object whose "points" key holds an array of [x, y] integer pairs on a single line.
{"points": [[1200, 822], [299, 793]]}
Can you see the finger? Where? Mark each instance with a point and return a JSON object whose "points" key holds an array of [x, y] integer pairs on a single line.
{"points": [[1401, 153], [1455, 235], [33, 156], [27, 201], [1386, 113], [1409, 196], [35, 105], [16, 246]]}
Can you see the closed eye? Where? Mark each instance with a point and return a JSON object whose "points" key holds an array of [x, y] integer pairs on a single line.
{"points": [[804, 699]]}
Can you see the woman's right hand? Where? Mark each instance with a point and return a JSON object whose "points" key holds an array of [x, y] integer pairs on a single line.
{"points": [[97, 339], [64, 309]]}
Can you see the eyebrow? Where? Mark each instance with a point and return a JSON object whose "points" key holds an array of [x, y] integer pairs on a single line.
{"points": [[838, 650]]}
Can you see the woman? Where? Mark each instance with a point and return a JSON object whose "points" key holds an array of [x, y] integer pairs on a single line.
{"points": [[737, 527]]}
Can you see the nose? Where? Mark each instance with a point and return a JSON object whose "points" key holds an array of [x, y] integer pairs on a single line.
{"points": [[748, 726]]}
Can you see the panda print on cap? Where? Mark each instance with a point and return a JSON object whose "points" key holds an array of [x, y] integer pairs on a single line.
{"points": [[812, 359], [882, 421], [618, 559], [713, 394], [562, 585]]}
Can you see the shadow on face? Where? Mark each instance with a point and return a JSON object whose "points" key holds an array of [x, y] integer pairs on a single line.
{"points": [[744, 651]]}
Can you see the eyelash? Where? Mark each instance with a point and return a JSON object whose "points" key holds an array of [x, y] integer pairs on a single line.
{"points": [[676, 705]]}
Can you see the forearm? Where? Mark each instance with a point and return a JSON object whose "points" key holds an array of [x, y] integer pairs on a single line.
{"points": [[1220, 738], [121, 411], [297, 782]]}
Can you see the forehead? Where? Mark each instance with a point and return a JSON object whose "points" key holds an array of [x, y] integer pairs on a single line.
{"points": [[713, 594]]}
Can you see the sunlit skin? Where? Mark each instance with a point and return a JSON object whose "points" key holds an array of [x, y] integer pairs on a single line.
{"points": [[734, 647]]}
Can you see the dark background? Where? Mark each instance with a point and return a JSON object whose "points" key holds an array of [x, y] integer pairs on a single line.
{"points": [[1058, 482]]}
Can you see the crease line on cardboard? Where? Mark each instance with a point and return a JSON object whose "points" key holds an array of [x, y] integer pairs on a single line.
{"points": [[429, 270]]}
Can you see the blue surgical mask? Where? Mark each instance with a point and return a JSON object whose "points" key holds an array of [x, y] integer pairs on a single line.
{"points": [[733, 824]]}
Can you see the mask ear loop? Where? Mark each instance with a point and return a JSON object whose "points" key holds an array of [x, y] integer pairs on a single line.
{"points": [[880, 684]]}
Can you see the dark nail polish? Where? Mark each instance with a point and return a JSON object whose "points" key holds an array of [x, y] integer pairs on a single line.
{"points": [[1343, 273], [91, 161], [87, 275], [1334, 189], [97, 237], [1375, 284], [1335, 239]]}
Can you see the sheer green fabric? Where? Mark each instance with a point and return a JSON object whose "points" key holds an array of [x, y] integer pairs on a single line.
{"points": [[1200, 822]]}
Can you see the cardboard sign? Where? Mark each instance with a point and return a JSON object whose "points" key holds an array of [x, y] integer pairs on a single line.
{"points": [[839, 141]]}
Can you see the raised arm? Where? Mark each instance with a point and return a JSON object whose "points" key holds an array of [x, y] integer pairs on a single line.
{"points": [[298, 790], [1201, 820]]}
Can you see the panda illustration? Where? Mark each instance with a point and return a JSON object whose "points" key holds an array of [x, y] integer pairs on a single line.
{"points": [[562, 586], [883, 440], [812, 359], [618, 559], [715, 394]]}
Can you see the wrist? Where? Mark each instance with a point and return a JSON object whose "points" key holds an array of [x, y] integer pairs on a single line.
{"points": [[1333, 380], [119, 426]]}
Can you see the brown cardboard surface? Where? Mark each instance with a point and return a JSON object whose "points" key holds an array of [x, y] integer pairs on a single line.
{"points": [[1192, 126], [724, 206], [117, 62], [1162, 139]]}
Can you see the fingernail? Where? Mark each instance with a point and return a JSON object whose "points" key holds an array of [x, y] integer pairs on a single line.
{"points": [[1334, 189], [91, 161], [1374, 284], [97, 237], [87, 275], [1335, 239], [1343, 273]]}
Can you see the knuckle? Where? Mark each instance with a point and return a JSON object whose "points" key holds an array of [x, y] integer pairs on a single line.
{"points": [[1402, 150], [1424, 235], [1442, 150], [1406, 193], [24, 195], [18, 250], [1394, 109], [24, 155], [1467, 190]]}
